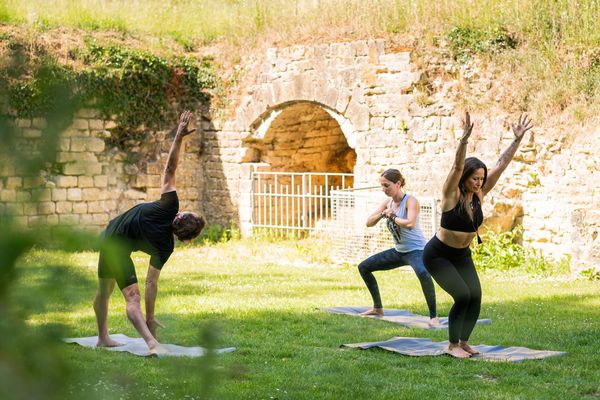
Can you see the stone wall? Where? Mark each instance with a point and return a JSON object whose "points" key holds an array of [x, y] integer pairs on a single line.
{"points": [[389, 120], [339, 107], [89, 183]]}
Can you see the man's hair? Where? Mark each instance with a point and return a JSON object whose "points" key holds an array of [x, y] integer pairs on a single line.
{"points": [[188, 226]]}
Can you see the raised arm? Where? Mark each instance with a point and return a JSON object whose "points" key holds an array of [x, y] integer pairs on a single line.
{"points": [[519, 130], [169, 173], [450, 189]]}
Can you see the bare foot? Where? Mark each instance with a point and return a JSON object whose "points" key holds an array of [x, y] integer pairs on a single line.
{"points": [[108, 342], [157, 350], [465, 346], [435, 323], [455, 350], [373, 311]]}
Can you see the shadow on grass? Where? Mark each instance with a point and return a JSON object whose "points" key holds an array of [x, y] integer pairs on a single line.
{"points": [[296, 354], [287, 351]]}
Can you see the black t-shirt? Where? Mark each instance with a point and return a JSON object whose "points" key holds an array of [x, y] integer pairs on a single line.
{"points": [[148, 227]]}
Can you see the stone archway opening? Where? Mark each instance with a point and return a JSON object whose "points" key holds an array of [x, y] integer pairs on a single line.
{"points": [[300, 153], [302, 137]]}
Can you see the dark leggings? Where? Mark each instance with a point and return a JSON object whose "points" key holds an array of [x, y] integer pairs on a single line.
{"points": [[390, 259], [454, 271]]}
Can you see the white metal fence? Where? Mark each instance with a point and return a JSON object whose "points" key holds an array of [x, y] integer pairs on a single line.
{"points": [[352, 241], [294, 203]]}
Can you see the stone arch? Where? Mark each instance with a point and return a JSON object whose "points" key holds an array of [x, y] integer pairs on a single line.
{"points": [[301, 136]]}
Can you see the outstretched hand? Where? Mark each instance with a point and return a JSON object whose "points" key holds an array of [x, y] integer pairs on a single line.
{"points": [[522, 126], [467, 128], [184, 121]]}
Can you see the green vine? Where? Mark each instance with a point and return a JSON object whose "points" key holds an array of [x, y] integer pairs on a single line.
{"points": [[141, 91]]}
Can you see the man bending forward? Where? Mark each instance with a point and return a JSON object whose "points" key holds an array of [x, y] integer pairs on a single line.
{"points": [[148, 227]]}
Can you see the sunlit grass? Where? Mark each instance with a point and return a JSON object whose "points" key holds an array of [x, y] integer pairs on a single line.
{"points": [[264, 297], [547, 23], [555, 67]]}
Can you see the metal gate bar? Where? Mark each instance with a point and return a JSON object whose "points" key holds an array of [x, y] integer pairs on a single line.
{"points": [[295, 203]]}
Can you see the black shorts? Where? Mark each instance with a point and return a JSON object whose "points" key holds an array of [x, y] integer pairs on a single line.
{"points": [[115, 262]]}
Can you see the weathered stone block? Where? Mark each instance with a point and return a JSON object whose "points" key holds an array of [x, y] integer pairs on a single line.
{"points": [[14, 209], [358, 114], [68, 219], [95, 145], [8, 195], [14, 182], [32, 133], [90, 194], [59, 194], [39, 123], [80, 207], [23, 195], [85, 181], [74, 194], [66, 181], [100, 219], [30, 208], [37, 221], [23, 123], [96, 124], [64, 207], [80, 124], [78, 144], [134, 195], [42, 194], [46, 207], [101, 181]]}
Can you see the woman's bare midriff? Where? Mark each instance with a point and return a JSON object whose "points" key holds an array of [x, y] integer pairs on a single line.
{"points": [[458, 240]]}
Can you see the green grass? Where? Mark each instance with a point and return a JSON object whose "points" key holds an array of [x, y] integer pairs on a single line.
{"points": [[539, 20], [263, 298], [553, 67]]}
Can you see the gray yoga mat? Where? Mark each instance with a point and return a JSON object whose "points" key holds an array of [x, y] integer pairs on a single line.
{"points": [[138, 347], [402, 317], [426, 347]]}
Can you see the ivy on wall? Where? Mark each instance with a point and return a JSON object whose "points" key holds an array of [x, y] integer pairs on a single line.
{"points": [[139, 90]]}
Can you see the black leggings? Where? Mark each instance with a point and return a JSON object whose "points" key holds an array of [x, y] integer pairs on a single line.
{"points": [[390, 259], [454, 271]]}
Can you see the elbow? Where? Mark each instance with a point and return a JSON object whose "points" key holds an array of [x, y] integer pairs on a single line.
{"points": [[410, 225]]}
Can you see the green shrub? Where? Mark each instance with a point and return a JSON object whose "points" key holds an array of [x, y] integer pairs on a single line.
{"points": [[501, 252], [591, 274], [142, 91], [467, 41], [216, 233]]}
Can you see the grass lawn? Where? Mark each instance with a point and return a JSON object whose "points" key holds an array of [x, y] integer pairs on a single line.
{"points": [[264, 298]]}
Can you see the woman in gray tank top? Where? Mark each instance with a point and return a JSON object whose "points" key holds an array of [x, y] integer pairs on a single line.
{"points": [[401, 215]]}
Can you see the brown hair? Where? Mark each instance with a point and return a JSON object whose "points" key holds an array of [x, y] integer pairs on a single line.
{"points": [[188, 226], [393, 175], [472, 164]]}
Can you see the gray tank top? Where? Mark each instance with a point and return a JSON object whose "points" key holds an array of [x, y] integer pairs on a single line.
{"points": [[405, 239]]}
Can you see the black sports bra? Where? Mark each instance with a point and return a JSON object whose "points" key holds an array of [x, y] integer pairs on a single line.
{"points": [[457, 219]]}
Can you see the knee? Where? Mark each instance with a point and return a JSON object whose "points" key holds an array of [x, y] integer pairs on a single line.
{"points": [[423, 275], [462, 299], [132, 297], [475, 296], [363, 267]]}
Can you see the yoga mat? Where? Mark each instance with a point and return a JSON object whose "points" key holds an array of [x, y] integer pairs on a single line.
{"points": [[402, 317], [426, 347], [138, 347]]}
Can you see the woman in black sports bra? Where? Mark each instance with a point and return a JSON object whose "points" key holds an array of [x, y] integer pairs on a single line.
{"points": [[447, 256]]}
